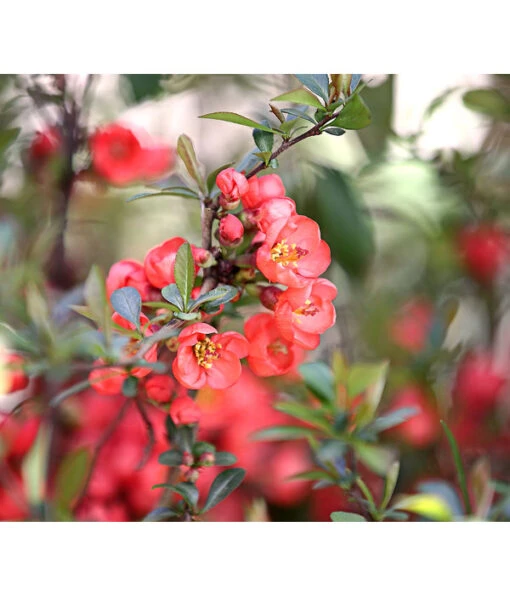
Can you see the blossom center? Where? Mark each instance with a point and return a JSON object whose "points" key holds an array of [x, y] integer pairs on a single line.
{"points": [[308, 309], [278, 347], [285, 254], [206, 351]]}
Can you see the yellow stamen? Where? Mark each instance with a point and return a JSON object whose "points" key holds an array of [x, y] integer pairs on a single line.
{"points": [[206, 351], [283, 254]]}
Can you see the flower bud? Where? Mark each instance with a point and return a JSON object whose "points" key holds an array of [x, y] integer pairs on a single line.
{"points": [[184, 411], [203, 258], [187, 458], [269, 296], [228, 204], [231, 231], [160, 388], [207, 459], [232, 184], [192, 475]]}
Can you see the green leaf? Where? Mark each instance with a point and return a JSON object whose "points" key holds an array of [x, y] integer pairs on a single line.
{"points": [[97, 300], [7, 137], [187, 315], [127, 302], [184, 272], [171, 428], [71, 477], [283, 433], [130, 387], [377, 458], [427, 505], [304, 413], [181, 191], [263, 140], [171, 458], [144, 86], [318, 379], [347, 517], [297, 114], [84, 311], [390, 483], [201, 447], [265, 157], [187, 490], [461, 475], [224, 459], [364, 376], [334, 131], [172, 295], [238, 119], [217, 296], [489, 102], [313, 474], [224, 484], [186, 152], [33, 467], [317, 83], [354, 115], [160, 514], [211, 178], [392, 419], [301, 96]]}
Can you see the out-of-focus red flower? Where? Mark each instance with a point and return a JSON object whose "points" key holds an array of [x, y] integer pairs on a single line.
{"points": [[17, 434], [423, 428], [210, 360], [262, 189], [295, 254], [120, 158], [107, 380], [133, 345], [102, 512], [159, 262], [15, 378], [12, 505], [184, 411], [484, 249], [303, 314], [269, 353], [230, 231], [411, 326], [160, 388], [478, 384], [45, 144], [232, 184], [128, 273]]}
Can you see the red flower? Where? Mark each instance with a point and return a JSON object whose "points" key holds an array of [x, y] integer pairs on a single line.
{"points": [[109, 380], [184, 411], [411, 326], [160, 261], [231, 231], [274, 211], [119, 157], [160, 388], [262, 189], [45, 144], [232, 184], [303, 314], [17, 434], [12, 369], [478, 384], [207, 360], [484, 249], [128, 273], [270, 354], [294, 254], [422, 429]]}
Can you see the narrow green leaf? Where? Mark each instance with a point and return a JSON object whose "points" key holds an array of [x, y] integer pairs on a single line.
{"points": [[217, 296], [283, 433], [184, 272], [313, 474], [377, 458], [187, 490], [390, 483], [171, 458], [160, 514], [97, 300], [224, 484], [176, 191], [172, 295], [317, 83], [297, 114], [318, 379], [84, 311], [127, 302], [392, 419], [301, 96], [304, 413], [238, 119], [186, 152], [347, 517], [355, 115], [489, 102], [334, 131], [461, 475], [224, 459], [71, 476], [427, 505]]}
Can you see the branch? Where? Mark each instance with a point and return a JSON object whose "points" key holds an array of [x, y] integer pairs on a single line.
{"points": [[150, 431]]}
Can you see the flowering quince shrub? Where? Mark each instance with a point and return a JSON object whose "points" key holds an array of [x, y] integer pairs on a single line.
{"points": [[186, 385]]}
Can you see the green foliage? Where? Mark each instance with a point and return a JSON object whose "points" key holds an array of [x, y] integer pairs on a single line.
{"points": [[489, 102], [127, 302], [238, 119], [224, 459], [181, 191], [186, 152], [171, 458], [71, 477], [172, 295], [319, 380], [223, 485], [144, 86], [354, 115], [184, 272], [347, 517], [301, 96], [317, 83], [461, 475], [97, 300], [427, 505]]}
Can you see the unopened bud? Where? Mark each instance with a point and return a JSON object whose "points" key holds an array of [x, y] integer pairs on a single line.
{"points": [[231, 231], [187, 458], [269, 296], [203, 258], [192, 475], [228, 204], [207, 459]]}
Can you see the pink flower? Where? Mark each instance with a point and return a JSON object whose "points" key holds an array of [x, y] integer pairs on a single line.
{"points": [[184, 411], [262, 189], [232, 184], [160, 261], [128, 273], [231, 231]]}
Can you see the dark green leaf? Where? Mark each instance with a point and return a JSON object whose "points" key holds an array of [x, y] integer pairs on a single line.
{"points": [[127, 302], [317, 83], [283, 433], [347, 517], [354, 115], [458, 466], [144, 86], [318, 379], [160, 514], [238, 119], [199, 448], [183, 192], [224, 459], [130, 387], [297, 114], [313, 474], [301, 96], [489, 102], [186, 152], [224, 484], [263, 140], [172, 295], [184, 272], [334, 131], [217, 296], [211, 178], [187, 490], [171, 458], [171, 428], [71, 476]]}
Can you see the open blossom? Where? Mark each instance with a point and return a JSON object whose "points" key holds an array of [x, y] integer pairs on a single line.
{"points": [[232, 184], [295, 254], [211, 360], [120, 158], [270, 353], [262, 189], [159, 262], [128, 273], [303, 314], [184, 411]]}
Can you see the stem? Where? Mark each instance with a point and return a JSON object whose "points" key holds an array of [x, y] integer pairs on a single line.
{"points": [[150, 432]]}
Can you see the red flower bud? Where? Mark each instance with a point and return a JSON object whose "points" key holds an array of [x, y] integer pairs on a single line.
{"points": [[160, 388], [207, 459], [269, 296], [184, 411], [231, 231], [45, 145], [187, 458], [16, 379], [232, 184]]}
